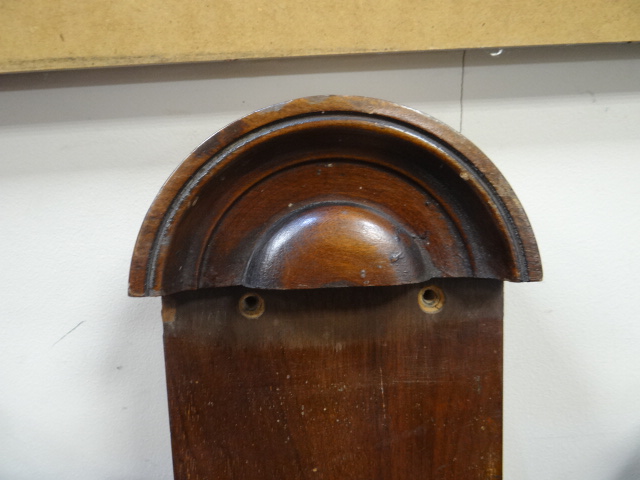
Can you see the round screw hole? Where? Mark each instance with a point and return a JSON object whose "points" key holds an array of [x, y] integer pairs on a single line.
{"points": [[431, 299], [251, 305]]}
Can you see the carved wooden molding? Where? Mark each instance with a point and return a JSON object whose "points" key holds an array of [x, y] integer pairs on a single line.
{"points": [[270, 374], [332, 191]]}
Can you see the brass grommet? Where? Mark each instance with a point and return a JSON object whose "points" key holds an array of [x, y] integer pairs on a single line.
{"points": [[431, 299], [251, 305]]}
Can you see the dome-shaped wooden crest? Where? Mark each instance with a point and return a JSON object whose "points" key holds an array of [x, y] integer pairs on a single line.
{"points": [[332, 191]]}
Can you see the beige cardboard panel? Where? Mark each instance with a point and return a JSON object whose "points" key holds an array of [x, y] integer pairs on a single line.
{"points": [[57, 34]]}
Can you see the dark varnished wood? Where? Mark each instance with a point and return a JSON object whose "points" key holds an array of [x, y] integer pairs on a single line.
{"points": [[354, 383], [272, 371], [233, 213]]}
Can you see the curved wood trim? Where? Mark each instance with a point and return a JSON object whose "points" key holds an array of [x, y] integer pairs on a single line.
{"points": [[223, 171]]}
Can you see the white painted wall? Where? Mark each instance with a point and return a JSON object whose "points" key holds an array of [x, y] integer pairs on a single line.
{"points": [[82, 155]]}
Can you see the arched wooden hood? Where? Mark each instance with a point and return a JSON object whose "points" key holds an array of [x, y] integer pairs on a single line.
{"points": [[332, 191]]}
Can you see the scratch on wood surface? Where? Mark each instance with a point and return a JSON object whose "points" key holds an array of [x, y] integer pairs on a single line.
{"points": [[66, 334], [384, 404]]}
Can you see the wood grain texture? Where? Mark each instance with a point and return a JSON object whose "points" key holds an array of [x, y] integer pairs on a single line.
{"points": [[45, 35], [273, 375], [355, 383], [332, 191]]}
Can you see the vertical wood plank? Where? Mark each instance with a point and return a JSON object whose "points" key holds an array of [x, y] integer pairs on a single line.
{"points": [[343, 383]]}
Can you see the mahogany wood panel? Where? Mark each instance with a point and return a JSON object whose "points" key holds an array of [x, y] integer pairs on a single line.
{"points": [[332, 191], [270, 373], [338, 383]]}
